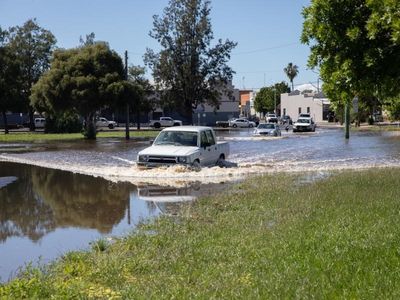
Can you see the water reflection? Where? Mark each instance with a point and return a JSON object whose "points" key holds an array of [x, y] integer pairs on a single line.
{"points": [[43, 199], [168, 200], [46, 212]]}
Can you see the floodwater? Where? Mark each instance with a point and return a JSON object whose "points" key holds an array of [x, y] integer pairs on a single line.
{"points": [[57, 197]]}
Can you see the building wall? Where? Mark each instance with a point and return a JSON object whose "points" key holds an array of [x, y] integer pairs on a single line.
{"points": [[247, 103], [245, 96], [228, 108], [308, 103]]}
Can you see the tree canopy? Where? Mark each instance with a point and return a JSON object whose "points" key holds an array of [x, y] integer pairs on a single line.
{"points": [[9, 99], [80, 80], [32, 47], [188, 70], [291, 72], [267, 97], [356, 45]]}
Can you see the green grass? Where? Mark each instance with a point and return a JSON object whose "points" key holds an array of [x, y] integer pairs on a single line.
{"points": [[376, 127], [43, 137], [267, 238]]}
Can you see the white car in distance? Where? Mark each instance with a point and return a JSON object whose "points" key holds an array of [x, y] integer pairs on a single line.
{"points": [[40, 122], [241, 122], [304, 124], [267, 129], [103, 122]]}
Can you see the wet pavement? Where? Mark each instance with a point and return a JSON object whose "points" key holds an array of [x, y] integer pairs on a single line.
{"points": [[56, 197]]}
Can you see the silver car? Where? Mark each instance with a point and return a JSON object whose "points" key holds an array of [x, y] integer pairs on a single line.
{"points": [[270, 129], [241, 122]]}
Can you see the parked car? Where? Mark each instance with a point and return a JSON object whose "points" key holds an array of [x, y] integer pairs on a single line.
{"points": [[304, 124], [255, 119], [164, 122], [304, 115], [241, 122], [40, 122], [271, 129], [286, 120], [103, 122], [271, 118], [193, 146]]}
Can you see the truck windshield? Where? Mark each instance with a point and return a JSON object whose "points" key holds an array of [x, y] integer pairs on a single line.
{"points": [[181, 138]]}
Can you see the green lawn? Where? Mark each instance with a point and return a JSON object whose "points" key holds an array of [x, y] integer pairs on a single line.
{"points": [[268, 238], [377, 127], [43, 137]]}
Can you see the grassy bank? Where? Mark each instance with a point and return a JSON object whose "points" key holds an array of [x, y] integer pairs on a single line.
{"points": [[268, 238], [37, 136], [376, 127]]}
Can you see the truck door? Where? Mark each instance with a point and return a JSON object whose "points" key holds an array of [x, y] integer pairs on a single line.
{"points": [[209, 148], [214, 147]]}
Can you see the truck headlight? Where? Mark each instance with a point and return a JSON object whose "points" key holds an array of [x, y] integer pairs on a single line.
{"points": [[143, 158], [182, 159]]}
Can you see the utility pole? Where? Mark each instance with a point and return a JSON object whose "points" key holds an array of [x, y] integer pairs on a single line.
{"points": [[127, 104], [347, 119]]}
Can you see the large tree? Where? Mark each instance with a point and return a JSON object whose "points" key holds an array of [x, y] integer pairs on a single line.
{"points": [[268, 97], [356, 45], [9, 99], [32, 46], [291, 72], [188, 70], [80, 80]]}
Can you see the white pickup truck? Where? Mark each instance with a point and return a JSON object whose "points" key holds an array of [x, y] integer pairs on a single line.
{"points": [[193, 146], [164, 122], [103, 122]]}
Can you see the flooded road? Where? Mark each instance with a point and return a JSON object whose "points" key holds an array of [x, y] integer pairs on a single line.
{"points": [[326, 149], [58, 197]]}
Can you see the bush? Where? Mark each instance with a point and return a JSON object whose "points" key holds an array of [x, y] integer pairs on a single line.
{"points": [[63, 123]]}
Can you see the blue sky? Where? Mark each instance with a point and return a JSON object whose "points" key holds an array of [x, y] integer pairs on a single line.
{"points": [[267, 31]]}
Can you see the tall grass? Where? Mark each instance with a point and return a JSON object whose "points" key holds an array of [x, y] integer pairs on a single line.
{"points": [[270, 237]]}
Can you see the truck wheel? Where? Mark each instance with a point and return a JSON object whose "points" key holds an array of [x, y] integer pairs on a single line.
{"points": [[234, 125], [196, 166], [251, 125], [157, 125], [221, 161], [177, 124], [111, 126]]}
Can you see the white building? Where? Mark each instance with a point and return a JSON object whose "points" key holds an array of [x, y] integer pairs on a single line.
{"points": [[297, 102]]}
